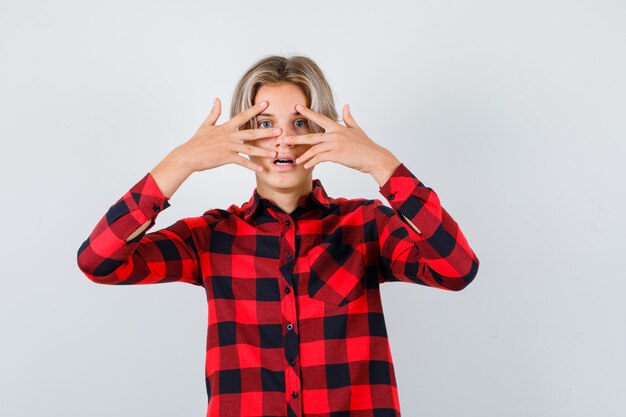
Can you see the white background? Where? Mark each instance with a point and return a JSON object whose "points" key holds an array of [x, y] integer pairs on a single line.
{"points": [[512, 111]]}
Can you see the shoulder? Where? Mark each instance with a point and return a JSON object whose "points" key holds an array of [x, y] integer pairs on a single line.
{"points": [[208, 218], [348, 205]]}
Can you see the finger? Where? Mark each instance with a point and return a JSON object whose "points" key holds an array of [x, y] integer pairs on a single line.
{"points": [[253, 134], [320, 157], [310, 153], [324, 121], [246, 115], [347, 117], [253, 150], [214, 114], [245, 162], [308, 139]]}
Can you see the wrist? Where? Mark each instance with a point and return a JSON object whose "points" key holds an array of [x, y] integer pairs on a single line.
{"points": [[170, 173], [384, 167], [177, 161]]}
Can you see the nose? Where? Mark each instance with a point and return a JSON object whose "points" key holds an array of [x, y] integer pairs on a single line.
{"points": [[278, 142], [279, 139]]}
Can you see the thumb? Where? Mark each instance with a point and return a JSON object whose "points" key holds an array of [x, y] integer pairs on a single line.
{"points": [[347, 117], [214, 114]]}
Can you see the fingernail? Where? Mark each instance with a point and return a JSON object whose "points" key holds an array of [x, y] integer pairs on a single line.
{"points": [[299, 107], [215, 101], [286, 139], [263, 103], [277, 130]]}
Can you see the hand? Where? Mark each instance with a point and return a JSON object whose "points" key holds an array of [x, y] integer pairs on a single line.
{"points": [[212, 146], [347, 145]]}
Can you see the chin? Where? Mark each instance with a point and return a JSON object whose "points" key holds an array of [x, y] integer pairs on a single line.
{"points": [[286, 182], [283, 180]]}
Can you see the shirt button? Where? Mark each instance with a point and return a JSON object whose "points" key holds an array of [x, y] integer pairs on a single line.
{"points": [[390, 197], [287, 290], [289, 326], [294, 395], [292, 362], [288, 223], [156, 208], [289, 257]]}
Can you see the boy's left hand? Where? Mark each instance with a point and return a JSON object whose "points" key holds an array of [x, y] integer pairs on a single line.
{"points": [[347, 145]]}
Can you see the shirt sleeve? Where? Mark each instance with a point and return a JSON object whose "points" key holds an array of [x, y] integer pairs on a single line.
{"points": [[166, 255], [439, 256]]}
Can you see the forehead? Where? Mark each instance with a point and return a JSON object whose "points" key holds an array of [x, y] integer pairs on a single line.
{"points": [[281, 96]]}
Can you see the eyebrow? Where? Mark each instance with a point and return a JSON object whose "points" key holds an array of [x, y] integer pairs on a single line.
{"points": [[271, 115]]}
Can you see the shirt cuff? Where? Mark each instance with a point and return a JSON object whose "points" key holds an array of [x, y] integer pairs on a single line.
{"points": [[409, 196], [149, 199]]}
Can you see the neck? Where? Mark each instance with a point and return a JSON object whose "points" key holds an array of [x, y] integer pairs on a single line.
{"points": [[285, 198]]}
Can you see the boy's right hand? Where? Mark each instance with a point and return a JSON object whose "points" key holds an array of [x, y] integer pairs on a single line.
{"points": [[212, 146]]}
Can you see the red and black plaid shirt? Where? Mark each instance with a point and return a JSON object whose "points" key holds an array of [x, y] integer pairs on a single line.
{"points": [[295, 320]]}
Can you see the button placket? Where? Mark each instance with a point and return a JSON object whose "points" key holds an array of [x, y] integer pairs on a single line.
{"points": [[291, 344]]}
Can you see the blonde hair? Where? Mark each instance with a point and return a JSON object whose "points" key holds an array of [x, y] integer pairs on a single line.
{"points": [[299, 70]]}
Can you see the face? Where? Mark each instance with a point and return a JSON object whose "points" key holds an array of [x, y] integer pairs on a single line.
{"points": [[281, 112]]}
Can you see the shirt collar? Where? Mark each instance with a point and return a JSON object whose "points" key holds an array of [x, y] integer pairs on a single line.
{"points": [[317, 196]]}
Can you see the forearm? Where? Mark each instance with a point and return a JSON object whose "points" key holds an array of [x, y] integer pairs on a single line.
{"points": [[170, 173], [439, 254], [107, 247], [410, 223], [138, 231], [384, 164]]}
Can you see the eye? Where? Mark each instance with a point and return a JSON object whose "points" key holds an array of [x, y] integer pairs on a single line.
{"points": [[264, 126], [301, 121]]}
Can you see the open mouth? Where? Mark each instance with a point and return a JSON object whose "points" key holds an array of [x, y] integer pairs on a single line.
{"points": [[283, 162]]}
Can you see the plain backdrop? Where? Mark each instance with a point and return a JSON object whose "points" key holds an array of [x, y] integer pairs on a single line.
{"points": [[512, 111]]}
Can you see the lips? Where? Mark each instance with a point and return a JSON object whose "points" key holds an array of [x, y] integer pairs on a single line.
{"points": [[285, 157], [284, 162]]}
